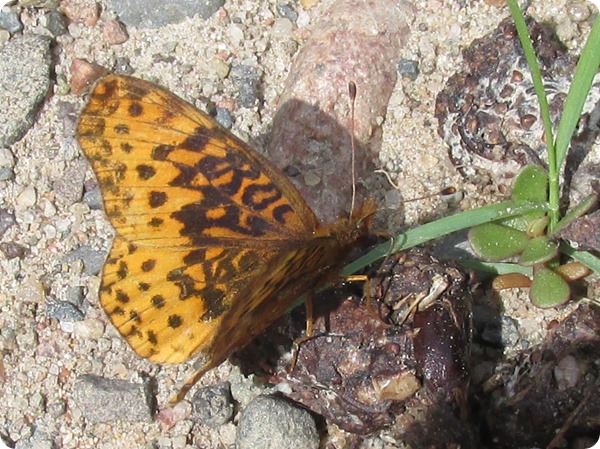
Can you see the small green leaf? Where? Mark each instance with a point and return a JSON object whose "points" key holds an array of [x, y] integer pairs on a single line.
{"points": [[537, 227], [538, 250], [521, 222], [548, 289], [531, 184], [492, 241]]}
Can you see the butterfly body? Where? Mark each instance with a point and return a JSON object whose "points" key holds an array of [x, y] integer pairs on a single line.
{"points": [[213, 242]]}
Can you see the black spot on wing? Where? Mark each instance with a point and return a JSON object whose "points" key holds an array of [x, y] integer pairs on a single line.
{"points": [[161, 152], [145, 171], [135, 109], [175, 321], [157, 199]]}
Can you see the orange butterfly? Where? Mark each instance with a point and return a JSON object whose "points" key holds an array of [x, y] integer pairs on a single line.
{"points": [[213, 241]]}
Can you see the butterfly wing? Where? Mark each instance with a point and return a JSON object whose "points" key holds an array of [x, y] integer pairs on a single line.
{"points": [[198, 215]]}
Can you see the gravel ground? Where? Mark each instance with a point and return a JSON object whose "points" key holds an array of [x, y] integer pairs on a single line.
{"points": [[53, 336]]}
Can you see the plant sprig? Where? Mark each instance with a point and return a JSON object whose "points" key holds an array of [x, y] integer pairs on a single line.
{"points": [[535, 208]]}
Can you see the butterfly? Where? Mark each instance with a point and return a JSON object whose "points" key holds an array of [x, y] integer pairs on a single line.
{"points": [[213, 242]]}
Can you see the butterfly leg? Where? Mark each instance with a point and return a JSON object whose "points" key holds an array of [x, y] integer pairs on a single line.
{"points": [[191, 381], [308, 304]]}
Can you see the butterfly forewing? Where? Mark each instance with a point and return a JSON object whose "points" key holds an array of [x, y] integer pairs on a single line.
{"points": [[169, 174]]}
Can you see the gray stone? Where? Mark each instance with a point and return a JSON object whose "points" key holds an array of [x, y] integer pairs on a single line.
{"points": [[245, 79], [408, 68], [93, 198], [57, 23], [63, 311], [269, 422], [224, 118], [213, 405], [10, 20], [156, 13], [92, 259], [287, 11], [75, 295], [24, 83], [7, 220], [6, 173], [109, 400]]}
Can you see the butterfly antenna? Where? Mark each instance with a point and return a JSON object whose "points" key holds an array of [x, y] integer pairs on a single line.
{"points": [[352, 92]]}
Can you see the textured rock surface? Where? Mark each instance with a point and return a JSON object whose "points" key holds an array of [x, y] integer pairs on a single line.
{"points": [[24, 82], [353, 41]]}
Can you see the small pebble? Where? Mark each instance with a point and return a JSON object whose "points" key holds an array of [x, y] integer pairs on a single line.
{"points": [[213, 405], [57, 409], [69, 188], [235, 33], [170, 416], [123, 65], [31, 291], [90, 329], [568, 372], [63, 310], [26, 198], [303, 19], [245, 79], [6, 174], [74, 295], [7, 220], [81, 12], [408, 69], [282, 28], [307, 4], [12, 250], [224, 118], [311, 179], [63, 224], [57, 23], [49, 231], [48, 208], [93, 260], [10, 20], [4, 37], [114, 32], [579, 11], [287, 11], [93, 198], [268, 422], [220, 67], [179, 442], [84, 75], [110, 400]]}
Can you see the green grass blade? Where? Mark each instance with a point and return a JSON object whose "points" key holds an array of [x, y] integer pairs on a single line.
{"points": [[538, 84], [444, 226], [496, 268], [536, 73], [586, 258], [586, 69]]}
